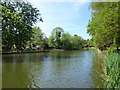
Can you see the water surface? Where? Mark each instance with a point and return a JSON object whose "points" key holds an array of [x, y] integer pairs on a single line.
{"points": [[58, 69]]}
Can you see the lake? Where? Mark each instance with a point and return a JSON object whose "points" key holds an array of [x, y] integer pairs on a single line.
{"points": [[56, 69]]}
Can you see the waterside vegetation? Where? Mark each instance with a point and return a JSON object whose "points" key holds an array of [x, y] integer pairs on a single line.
{"points": [[20, 35], [104, 27]]}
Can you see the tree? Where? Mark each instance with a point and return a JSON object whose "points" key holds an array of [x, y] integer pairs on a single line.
{"points": [[17, 21], [51, 41], [77, 42], [46, 45], [37, 40], [87, 43], [72, 42], [66, 44], [103, 25], [55, 37], [61, 40]]}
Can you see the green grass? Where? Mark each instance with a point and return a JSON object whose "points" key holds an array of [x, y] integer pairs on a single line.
{"points": [[112, 70]]}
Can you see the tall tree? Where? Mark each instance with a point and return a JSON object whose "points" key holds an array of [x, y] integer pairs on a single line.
{"points": [[17, 21], [37, 40], [103, 25], [56, 36], [66, 44], [77, 42], [51, 41]]}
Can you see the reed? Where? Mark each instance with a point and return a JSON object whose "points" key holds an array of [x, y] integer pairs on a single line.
{"points": [[112, 70]]}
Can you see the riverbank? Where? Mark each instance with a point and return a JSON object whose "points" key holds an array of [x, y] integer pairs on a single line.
{"points": [[40, 51], [111, 68], [31, 51]]}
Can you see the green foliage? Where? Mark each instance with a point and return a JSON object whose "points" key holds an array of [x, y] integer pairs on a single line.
{"points": [[51, 41], [66, 41], [105, 31], [77, 42], [45, 41], [17, 21], [87, 43], [61, 40], [37, 40], [112, 70], [103, 25], [55, 37], [110, 49]]}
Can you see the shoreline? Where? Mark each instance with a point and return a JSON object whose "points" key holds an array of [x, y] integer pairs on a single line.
{"points": [[4, 53], [31, 51], [38, 51]]}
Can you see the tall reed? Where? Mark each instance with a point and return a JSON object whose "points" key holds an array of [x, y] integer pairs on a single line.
{"points": [[112, 70]]}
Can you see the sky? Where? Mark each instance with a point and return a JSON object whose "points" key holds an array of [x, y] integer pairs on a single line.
{"points": [[72, 16]]}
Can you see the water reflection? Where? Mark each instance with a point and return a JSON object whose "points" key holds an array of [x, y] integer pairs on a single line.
{"points": [[60, 69], [97, 73]]}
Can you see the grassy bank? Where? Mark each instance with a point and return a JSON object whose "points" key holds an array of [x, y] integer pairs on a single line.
{"points": [[112, 70]]}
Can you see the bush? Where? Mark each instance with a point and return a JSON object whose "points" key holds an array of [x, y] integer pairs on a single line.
{"points": [[110, 49], [112, 70]]}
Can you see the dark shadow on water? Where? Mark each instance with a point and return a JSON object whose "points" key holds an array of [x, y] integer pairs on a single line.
{"points": [[55, 55]]}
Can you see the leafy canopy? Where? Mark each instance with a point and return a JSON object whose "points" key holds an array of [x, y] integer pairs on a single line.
{"points": [[17, 21]]}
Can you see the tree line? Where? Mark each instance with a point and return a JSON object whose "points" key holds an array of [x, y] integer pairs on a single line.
{"points": [[104, 26], [58, 39], [19, 33]]}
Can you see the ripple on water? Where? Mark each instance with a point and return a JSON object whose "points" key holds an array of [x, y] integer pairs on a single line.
{"points": [[65, 69]]}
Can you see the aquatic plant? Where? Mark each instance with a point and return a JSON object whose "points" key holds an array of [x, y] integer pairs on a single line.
{"points": [[112, 70]]}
